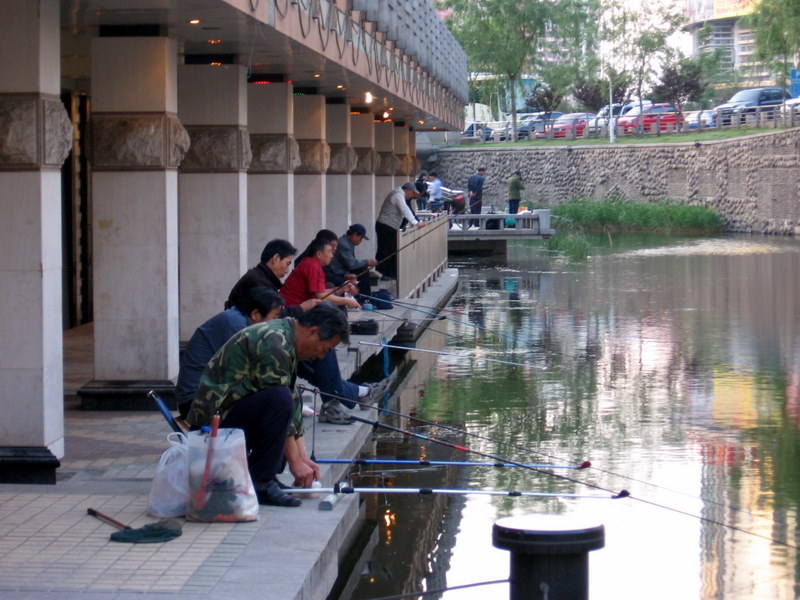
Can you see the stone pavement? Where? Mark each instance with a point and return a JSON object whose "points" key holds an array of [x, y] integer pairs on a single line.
{"points": [[50, 547]]}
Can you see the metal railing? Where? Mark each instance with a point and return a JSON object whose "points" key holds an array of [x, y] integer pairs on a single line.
{"points": [[487, 225], [422, 256]]}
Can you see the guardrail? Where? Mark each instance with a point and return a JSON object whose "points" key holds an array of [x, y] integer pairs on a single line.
{"points": [[422, 255], [500, 225]]}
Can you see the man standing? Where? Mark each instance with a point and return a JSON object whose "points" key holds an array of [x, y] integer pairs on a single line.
{"points": [[346, 266], [475, 194], [435, 191], [393, 210], [515, 187], [249, 382]]}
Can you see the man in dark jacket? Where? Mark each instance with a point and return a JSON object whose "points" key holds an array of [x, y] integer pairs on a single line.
{"points": [[475, 194], [345, 266]]}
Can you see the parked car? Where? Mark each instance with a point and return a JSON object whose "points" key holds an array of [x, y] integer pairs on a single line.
{"points": [[568, 125], [600, 123], [752, 100], [700, 119], [662, 116], [534, 123], [474, 129]]}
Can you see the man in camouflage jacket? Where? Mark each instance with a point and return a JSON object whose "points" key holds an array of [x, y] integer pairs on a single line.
{"points": [[249, 382]]}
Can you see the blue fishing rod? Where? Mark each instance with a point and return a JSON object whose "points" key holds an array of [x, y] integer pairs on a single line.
{"points": [[376, 424], [444, 463]]}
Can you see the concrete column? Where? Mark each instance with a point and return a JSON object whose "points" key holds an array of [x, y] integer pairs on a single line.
{"points": [[363, 199], [309, 180], [402, 164], [212, 205], [343, 160], [137, 144], [276, 154], [385, 170], [36, 138]]}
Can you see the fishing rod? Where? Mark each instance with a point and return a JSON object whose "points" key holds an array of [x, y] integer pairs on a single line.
{"points": [[439, 316], [446, 427], [441, 442], [344, 488], [443, 463], [443, 353]]}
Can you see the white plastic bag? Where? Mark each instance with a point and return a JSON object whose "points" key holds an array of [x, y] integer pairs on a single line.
{"points": [[169, 492], [220, 486]]}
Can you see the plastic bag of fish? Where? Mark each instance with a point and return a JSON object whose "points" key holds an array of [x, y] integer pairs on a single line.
{"points": [[220, 487]]}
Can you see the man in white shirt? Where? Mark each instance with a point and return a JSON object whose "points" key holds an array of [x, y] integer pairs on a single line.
{"points": [[392, 213]]}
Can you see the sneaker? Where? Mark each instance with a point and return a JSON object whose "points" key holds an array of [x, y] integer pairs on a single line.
{"points": [[376, 391], [333, 412], [473, 228]]}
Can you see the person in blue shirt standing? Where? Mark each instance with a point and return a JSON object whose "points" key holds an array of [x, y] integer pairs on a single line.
{"points": [[435, 191], [475, 194]]}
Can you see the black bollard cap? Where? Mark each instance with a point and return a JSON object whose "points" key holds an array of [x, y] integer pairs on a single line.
{"points": [[548, 534]]}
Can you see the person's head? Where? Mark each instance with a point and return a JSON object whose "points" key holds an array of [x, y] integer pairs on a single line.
{"points": [[356, 234], [261, 305], [322, 250], [518, 173], [481, 170], [432, 175], [277, 257], [422, 175], [320, 330], [410, 190]]}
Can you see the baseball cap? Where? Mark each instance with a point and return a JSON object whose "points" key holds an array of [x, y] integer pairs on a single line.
{"points": [[359, 229]]}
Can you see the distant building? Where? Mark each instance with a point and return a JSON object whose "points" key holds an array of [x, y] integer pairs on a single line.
{"points": [[728, 34]]}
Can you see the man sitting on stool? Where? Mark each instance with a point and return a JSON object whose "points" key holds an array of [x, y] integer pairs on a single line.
{"points": [[345, 266]]}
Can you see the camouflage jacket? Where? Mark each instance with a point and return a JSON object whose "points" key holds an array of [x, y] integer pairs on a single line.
{"points": [[258, 357]]}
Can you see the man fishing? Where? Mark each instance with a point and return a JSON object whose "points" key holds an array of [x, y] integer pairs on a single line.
{"points": [[393, 210], [250, 383]]}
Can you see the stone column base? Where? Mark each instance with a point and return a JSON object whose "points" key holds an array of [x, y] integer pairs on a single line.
{"points": [[28, 465], [125, 395]]}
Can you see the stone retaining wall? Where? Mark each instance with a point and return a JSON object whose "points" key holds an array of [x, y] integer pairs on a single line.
{"points": [[753, 182]]}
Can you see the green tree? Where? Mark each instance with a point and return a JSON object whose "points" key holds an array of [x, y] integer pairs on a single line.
{"points": [[594, 94], [499, 36], [776, 24], [681, 82]]}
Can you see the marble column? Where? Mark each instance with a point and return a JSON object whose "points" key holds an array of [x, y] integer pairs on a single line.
{"points": [[363, 198], [343, 160], [137, 144], [310, 193], [35, 138], [276, 154], [387, 162], [212, 185]]}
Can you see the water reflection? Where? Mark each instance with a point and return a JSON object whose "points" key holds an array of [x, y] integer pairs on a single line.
{"points": [[674, 366]]}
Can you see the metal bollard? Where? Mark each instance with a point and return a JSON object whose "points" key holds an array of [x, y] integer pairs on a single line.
{"points": [[549, 555]]}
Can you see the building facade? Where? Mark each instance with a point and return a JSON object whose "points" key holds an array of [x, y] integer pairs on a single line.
{"points": [[150, 149]]}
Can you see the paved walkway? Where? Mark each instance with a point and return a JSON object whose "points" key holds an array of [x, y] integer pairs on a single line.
{"points": [[49, 546]]}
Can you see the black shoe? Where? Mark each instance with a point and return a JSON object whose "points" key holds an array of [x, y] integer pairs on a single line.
{"points": [[272, 495], [282, 485]]}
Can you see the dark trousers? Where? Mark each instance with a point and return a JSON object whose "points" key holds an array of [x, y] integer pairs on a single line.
{"points": [[513, 206], [264, 417], [387, 248], [475, 208]]}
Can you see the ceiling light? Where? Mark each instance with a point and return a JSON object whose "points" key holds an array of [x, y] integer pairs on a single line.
{"points": [[386, 114], [317, 75], [212, 42], [194, 22], [368, 97], [339, 87]]}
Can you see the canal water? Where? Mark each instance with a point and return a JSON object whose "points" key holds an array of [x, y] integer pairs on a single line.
{"points": [[672, 364]]}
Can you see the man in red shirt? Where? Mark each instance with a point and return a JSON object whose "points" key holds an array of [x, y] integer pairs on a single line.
{"points": [[307, 280]]}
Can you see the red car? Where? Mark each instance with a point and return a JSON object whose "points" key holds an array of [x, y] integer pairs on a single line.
{"points": [[568, 125], [664, 116]]}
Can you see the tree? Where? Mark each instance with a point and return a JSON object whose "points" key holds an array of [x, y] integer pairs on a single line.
{"points": [[594, 94], [681, 82], [776, 23], [499, 36]]}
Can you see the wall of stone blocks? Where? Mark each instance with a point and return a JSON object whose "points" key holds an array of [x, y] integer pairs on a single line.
{"points": [[753, 182]]}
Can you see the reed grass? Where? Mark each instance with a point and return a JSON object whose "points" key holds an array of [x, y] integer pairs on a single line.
{"points": [[574, 219]]}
